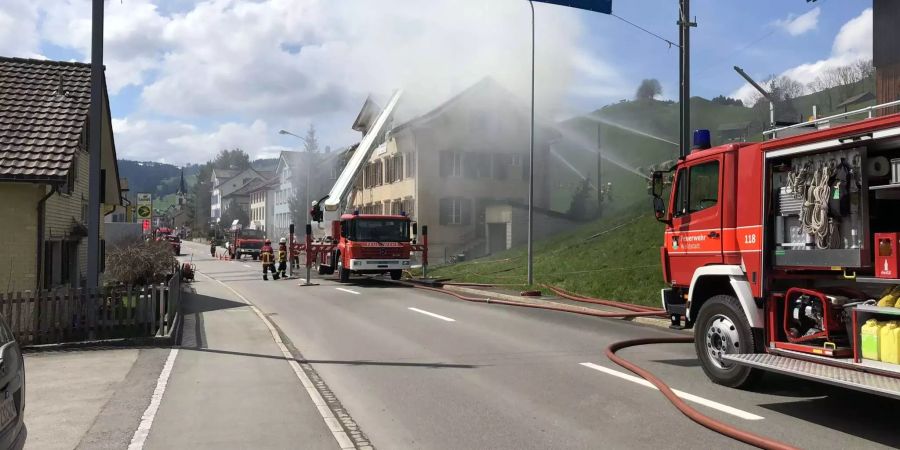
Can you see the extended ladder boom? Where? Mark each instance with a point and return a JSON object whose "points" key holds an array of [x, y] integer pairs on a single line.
{"points": [[344, 183]]}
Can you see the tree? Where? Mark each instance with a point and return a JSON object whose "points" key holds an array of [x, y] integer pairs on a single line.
{"points": [[234, 212], [234, 159], [199, 199], [578, 207], [309, 166], [648, 89], [727, 101]]}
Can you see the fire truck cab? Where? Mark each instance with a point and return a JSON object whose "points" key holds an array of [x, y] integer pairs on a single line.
{"points": [[782, 254], [370, 244]]}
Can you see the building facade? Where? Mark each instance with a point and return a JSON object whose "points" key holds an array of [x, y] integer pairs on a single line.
{"points": [[226, 182], [446, 167], [44, 173]]}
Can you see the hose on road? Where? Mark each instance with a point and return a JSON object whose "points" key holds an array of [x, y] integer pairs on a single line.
{"points": [[636, 311]]}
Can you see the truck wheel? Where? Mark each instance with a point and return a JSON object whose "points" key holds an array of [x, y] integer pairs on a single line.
{"points": [[323, 269], [255, 257], [396, 274], [722, 328], [344, 275], [238, 255]]}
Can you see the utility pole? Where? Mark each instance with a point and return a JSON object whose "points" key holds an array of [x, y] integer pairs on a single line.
{"points": [[599, 167], [530, 269], [94, 146], [684, 63]]}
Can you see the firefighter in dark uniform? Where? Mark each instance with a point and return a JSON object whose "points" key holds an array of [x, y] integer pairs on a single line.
{"points": [[282, 258], [267, 255]]}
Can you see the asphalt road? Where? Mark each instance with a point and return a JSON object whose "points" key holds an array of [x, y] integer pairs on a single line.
{"points": [[418, 369]]}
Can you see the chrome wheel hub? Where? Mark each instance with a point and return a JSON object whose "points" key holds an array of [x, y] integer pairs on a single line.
{"points": [[721, 339]]}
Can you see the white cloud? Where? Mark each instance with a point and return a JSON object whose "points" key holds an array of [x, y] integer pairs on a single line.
{"points": [[131, 36], [853, 42], [18, 29], [797, 25], [178, 142]]}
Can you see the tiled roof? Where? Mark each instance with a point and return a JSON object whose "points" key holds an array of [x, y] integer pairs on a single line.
{"points": [[247, 188], [43, 108]]}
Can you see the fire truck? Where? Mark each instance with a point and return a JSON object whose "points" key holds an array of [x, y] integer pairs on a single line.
{"points": [[782, 255], [245, 242], [354, 243]]}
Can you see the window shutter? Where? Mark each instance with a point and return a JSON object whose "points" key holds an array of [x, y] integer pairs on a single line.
{"points": [[446, 161], [465, 206], [445, 212]]}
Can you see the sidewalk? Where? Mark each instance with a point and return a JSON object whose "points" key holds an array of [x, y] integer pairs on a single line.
{"points": [[230, 386]]}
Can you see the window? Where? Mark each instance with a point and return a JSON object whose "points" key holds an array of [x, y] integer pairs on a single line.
{"points": [[408, 206], [379, 173], [697, 188], [455, 211], [410, 165], [396, 207], [501, 165], [704, 190], [451, 164]]}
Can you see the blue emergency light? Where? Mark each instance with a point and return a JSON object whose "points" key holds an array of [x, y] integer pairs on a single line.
{"points": [[702, 140]]}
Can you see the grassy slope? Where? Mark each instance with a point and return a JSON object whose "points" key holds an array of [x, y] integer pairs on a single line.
{"points": [[622, 264]]}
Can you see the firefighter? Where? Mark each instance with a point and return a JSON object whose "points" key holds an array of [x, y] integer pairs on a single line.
{"points": [[267, 256], [282, 258]]}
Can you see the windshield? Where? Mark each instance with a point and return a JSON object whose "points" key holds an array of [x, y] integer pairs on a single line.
{"points": [[379, 230], [252, 234]]}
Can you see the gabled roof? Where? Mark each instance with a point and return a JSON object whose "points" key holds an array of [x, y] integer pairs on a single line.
{"points": [[232, 174], [483, 90], [224, 174], [43, 110], [864, 97], [247, 188], [264, 185]]}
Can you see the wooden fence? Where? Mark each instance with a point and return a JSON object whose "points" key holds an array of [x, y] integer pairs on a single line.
{"points": [[73, 315]]}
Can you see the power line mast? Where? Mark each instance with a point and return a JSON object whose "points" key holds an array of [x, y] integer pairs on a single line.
{"points": [[684, 68]]}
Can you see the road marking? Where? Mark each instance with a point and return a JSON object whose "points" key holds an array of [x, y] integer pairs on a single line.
{"points": [[143, 430], [347, 290], [247, 266], [437, 316], [689, 397], [331, 421]]}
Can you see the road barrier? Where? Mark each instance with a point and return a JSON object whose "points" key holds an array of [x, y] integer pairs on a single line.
{"points": [[72, 315]]}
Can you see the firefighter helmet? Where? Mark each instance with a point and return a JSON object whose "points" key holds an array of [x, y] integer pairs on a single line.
{"points": [[283, 241], [268, 241]]}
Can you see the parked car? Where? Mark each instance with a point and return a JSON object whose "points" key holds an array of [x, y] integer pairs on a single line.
{"points": [[12, 394], [176, 243]]}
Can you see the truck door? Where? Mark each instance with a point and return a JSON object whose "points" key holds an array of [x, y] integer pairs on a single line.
{"points": [[695, 237]]}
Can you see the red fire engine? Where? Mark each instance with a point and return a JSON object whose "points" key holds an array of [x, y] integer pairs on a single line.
{"points": [[782, 254], [360, 243]]}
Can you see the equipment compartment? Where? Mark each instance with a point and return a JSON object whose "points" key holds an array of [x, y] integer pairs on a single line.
{"points": [[821, 211]]}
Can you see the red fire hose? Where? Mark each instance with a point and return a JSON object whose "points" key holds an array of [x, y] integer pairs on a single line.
{"points": [[637, 311]]}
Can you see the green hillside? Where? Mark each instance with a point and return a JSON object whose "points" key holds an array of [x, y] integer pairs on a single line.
{"points": [[613, 258]]}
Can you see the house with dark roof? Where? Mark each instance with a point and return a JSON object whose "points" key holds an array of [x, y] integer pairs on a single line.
{"points": [[225, 182], [44, 170]]}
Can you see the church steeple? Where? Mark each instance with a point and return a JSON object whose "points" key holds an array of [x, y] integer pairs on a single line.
{"points": [[182, 191]]}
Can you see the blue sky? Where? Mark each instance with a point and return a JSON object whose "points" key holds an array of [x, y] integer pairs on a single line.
{"points": [[189, 78]]}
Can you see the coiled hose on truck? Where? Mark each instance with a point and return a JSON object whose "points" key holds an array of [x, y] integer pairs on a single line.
{"points": [[636, 311]]}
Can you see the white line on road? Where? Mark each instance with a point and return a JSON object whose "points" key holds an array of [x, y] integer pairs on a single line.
{"points": [[437, 316], [689, 397], [143, 430], [331, 421], [347, 290], [247, 266]]}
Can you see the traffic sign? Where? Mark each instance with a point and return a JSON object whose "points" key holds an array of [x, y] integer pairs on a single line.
{"points": [[144, 206]]}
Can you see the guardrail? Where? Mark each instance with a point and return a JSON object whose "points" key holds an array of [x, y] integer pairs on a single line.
{"points": [[869, 111], [73, 315]]}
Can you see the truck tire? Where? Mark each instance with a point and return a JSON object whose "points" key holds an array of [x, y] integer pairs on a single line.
{"points": [[256, 256], [722, 328], [325, 270], [238, 255], [396, 274], [344, 275]]}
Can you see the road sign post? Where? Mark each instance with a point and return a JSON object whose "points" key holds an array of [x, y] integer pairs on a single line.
{"points": [[144, 209]]}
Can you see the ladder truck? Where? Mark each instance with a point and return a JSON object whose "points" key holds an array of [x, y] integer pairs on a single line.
{"points": [[352, 243], [783, 255]]}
